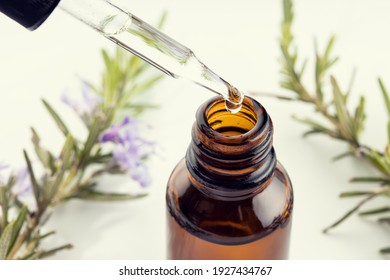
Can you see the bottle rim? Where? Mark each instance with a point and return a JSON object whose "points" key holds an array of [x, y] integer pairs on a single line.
{"points": [[259, 135]]}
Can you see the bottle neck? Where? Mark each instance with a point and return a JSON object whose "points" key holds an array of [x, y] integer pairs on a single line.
{"points": [[231, 156]]}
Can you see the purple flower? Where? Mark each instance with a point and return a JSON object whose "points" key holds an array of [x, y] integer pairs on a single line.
{"points": [[141, 175], [89, 105], [23, 182], [129, 159], [130, 149], [113, 133]]}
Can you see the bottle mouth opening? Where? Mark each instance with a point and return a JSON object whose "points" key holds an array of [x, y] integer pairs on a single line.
{"points": [[228, 124], [221, 123]]}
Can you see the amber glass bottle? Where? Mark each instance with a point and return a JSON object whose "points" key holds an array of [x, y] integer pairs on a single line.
{"points": [[229, 198]]}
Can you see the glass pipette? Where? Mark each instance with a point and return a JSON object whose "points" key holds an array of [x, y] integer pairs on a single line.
{"points": [[153, 46]]}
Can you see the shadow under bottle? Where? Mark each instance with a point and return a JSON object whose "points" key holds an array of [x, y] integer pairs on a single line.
{"points": [[229, 198]]}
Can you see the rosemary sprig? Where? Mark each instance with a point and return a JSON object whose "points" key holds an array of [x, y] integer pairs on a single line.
{"points": [[73, 172], [339, 121]]}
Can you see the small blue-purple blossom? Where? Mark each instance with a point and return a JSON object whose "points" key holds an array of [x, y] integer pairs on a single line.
{"points": [[141, 175], [113, 133], [23, 182], [86, 108], [130, 149]]}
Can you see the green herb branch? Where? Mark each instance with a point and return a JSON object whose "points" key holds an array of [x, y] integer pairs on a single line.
{"points": [[339, 121], [113, 145]]}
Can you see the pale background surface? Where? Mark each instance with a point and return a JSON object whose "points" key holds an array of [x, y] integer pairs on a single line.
{"points": [[239, 41]]}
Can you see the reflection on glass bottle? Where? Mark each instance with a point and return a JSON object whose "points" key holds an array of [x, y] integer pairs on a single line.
{"points": [[229, 198]]}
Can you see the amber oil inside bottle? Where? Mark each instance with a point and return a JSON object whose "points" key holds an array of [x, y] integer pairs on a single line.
{"points": [[229, 198]]}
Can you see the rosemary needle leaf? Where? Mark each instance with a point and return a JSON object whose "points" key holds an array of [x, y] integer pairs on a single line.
{"points": [[18, 224], [388, 135], [51, 252], [385, 250], [350, 212], [385, 96], [359, 116], [162, 20], [329, 48], [380, 210], [370, 180], [4, 207], [378, 161], [61, 125], [38, 254], [34, 182], [66, 152], [101, 196], [5, 241], [341, 110], [343, 155], [43, 236], [43, 155], [354, 193]]}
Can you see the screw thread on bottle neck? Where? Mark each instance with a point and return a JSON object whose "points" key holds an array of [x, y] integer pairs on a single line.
{"points": [[231, 155]]}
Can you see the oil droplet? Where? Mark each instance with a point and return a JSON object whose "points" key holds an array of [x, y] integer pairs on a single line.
{"points": [[234, 101]]}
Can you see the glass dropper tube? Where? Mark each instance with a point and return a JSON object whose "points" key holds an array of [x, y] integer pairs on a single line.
{"points": [[153, 46]]}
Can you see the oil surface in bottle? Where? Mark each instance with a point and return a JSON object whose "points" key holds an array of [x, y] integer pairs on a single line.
{"points": [[229, 198]]}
